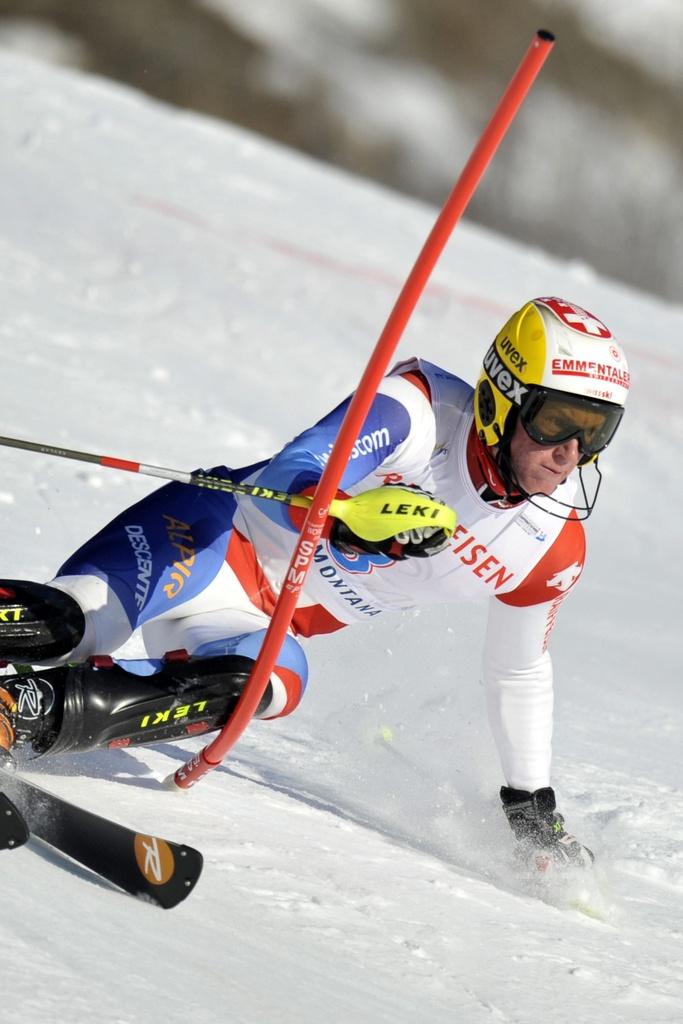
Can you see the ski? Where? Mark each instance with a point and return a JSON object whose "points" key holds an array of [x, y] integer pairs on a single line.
{"points": [[150, 868], [13, 829]]}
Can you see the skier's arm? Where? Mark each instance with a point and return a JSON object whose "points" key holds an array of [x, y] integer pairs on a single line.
{"points": [[396, 440], [518, 681], [517, 669]]}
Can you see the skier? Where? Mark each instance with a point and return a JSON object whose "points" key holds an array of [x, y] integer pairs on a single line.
{"points": [[149, 630]]}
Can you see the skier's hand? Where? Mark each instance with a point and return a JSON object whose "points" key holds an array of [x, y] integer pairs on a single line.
{"points": [[422, 541], [418, 542]]}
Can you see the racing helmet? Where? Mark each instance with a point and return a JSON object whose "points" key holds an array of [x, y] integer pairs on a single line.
{"points": [[559, 369]]}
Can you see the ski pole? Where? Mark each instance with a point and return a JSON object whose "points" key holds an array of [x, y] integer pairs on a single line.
{"points": [[212, 755], [374, 515]]}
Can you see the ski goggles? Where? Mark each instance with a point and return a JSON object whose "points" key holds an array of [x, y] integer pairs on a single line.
{"points": [[554, 417]]}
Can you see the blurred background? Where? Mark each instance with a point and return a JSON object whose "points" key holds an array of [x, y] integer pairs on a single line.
{"points": [[399, 90]]}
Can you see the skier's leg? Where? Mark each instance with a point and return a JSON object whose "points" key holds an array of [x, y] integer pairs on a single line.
{"points": [[105, 703], [287, 680], [37, 622], [159, 554], [237, 628], [47, 624], [65, 620], [153, 557], [181, 597], [220, 620], [100, 704], [124, 700]]}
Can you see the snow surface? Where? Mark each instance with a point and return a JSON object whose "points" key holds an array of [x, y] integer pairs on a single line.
{"points": [[183, 293]]}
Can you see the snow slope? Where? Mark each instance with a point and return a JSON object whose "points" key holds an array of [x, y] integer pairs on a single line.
{"points": [[165, 281]]}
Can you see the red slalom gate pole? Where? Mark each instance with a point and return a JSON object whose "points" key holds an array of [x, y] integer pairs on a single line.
{"points": [[212, 755]]}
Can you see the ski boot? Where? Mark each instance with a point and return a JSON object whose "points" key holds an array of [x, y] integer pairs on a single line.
{"points": [[100, 704], [37, 622], [539, 830]]}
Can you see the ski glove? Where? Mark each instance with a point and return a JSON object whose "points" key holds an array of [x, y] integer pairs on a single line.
{"points": [[420, 542]]}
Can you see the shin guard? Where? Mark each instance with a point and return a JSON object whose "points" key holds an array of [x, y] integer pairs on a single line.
{"points": [[99, 704]]}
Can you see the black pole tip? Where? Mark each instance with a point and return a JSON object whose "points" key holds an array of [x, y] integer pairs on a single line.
{"points": [[546, 36]]}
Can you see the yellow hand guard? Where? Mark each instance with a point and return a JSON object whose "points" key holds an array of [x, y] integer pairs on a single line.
{"points": [[383, 512]]}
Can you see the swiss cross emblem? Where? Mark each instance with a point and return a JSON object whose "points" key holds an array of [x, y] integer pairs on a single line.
{"points": [[565, 578], [577, 318]]}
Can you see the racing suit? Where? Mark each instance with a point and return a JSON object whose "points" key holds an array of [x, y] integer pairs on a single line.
{"points": [[202, 569]]}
